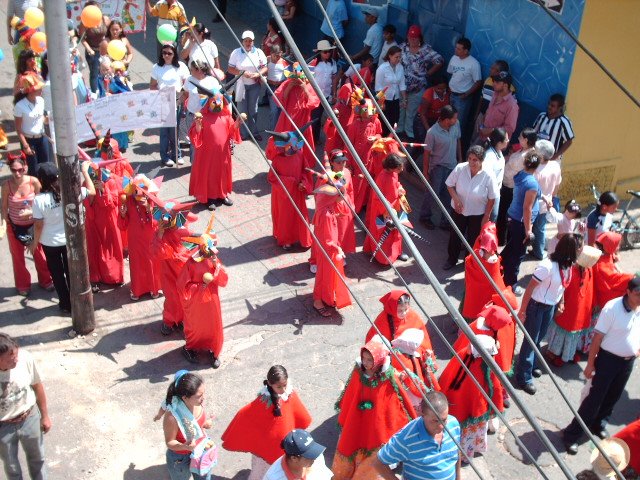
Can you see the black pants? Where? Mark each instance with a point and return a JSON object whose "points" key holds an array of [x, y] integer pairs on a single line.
{"points": [[392, 112], [470, 228], [59, 269], [316, 114], [506, 195], [607, 385], [40, 148], [513, 252]]}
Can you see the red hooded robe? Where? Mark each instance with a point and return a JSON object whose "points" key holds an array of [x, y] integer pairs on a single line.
{"points": [[608, 281], [578, 301], [359, 132]]}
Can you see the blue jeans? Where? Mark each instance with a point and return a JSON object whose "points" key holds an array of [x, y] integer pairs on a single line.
{"points": [[463, 106], [494, 212], [40, 147], [29, 435], [437, 176], [168, 147], [249, 105], [274, 111], [513, 252], [93, 61], [407, 114], [538, 228], [178, 466], [538, 318]]}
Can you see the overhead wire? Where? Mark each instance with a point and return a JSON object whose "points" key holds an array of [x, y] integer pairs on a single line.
{"points": [[445, 213]]}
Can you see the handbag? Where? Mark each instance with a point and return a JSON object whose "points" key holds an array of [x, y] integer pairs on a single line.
{"points": [[24, 233], [204, 457]]}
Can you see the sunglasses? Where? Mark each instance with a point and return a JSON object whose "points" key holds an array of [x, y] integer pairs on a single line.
{"points": [[167, 53], [17, 170]]}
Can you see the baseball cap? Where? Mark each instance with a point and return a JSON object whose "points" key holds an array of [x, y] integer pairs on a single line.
{"points": [[634, 283], [503, 77], [248, 34], [337, 155], [300, 444], [414, 31], [370, 11]]}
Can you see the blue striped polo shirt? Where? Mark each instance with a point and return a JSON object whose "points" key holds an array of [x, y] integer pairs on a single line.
{"points": [[422, 457]]}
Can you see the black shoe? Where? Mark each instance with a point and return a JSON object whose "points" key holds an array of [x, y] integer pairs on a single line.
{"points": [[448, 265], [572, 448], [601, 434], [403, 257], [428, 224], [529, 388], [190, 355], [258, 137], [227, 201], [215, 361], [212, 206], [166, 329], [536, 372]]}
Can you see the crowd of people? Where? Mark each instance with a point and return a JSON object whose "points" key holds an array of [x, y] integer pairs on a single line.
{"points": [[396, 407]]}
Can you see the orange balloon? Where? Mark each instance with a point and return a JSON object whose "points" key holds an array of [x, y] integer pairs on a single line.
{"points": [[91, 16], [38, 42]]}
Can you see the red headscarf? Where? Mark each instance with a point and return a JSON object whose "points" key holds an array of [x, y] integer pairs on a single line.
{"points": [[495, 317], [378, 351], [610, 242], [390, 301]]}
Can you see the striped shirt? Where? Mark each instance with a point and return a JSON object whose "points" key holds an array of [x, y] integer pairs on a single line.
{"points": [[422, 457], [556, 130]]}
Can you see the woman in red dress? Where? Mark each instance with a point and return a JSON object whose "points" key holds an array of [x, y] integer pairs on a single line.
{"points": [[260, 426], [608, 281], [372, 407], [197, 286]]}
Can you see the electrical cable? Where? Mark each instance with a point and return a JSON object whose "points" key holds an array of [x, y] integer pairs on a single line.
{"points": [[445, 213]]}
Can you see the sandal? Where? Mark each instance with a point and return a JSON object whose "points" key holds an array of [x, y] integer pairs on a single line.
{"points": [[323, 311], [133, 297], [286, 247]]}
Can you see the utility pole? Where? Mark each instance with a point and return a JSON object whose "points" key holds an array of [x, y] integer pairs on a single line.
{"points": [[67, 156]]}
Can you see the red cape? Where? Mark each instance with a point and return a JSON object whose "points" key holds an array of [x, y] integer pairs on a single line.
{"points": [[631, 435], [255, 430], [343, 105], [478, 290], [366, 429], [299, 106], [288, 228], [359, 132], [608, 281], [211, 175], [201, 304], [144, 270], [376, 157], [104, 244], [334, 140], [578, 301], [466, 403], [506, 336]]}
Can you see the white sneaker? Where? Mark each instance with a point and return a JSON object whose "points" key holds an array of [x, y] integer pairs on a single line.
{"points": [[494, 424], [181, 161], [169, 163], [313, 268]]}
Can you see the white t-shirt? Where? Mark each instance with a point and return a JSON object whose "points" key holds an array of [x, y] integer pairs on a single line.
{"points": [[549, 178], [318, 471], [251, 61], [209, 54], [16, 395], [385, 48], [170, 76], [194, 100], [550, 289], [620, 327], [32, 115], [374, 40], [474, 191], [464, 73], [46, 209], [275, 71], [323, 73], [386, 76], [494, 164], [513, 166]]}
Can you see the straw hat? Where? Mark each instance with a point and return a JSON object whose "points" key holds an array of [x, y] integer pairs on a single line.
{"points": [[617, 450], [323, 45], [588, 256]]}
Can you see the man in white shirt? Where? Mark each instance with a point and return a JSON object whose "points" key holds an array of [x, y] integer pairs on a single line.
{"points": [[337, 13], [303, 459], [614, 348], [374, 39], [20, 421], [466, 80]]}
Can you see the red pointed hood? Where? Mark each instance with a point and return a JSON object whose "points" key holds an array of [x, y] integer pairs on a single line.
{"points": [[610, 242], [495, 317], [390, 301], [509, 295]]}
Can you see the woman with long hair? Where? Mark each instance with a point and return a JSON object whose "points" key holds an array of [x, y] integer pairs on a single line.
{"points": [[48, 220], [197, 45], [18, 193], [259, 427], [494, 161], [390, 79], [116, 32]]}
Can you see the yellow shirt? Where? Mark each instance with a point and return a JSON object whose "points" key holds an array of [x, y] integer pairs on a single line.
{"points": [[173, 14]]}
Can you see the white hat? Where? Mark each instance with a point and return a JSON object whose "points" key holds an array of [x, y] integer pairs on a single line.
{"points": [[248, 34], [488, 343], [617, 450], [409, 341], [323, 45], [588, 256], [370, 11]]}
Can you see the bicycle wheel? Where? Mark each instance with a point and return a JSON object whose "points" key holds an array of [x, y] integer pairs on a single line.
{"points": [[631, 234]]}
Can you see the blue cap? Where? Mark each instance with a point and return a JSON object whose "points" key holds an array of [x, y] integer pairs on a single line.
{"points": [[299, 443]]}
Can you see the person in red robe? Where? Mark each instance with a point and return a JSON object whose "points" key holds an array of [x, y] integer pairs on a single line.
{"points": [[631, 436], [377, 217], [289, 165], [197, 287], [343, 105], [466, 403], [212, 132], [104, 244], [396, 318], [570, 330], [137, 220], [333, 139], [110, 151], [363, 131], [168, 250], [299, 99], [259, 427], [328, 290], [372, 407], [608, 281], [478, 290], [379, 150]]}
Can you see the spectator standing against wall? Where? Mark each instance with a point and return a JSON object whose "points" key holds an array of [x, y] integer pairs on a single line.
{"points": [[373, 41], [390, 76], [503, 109], [389, 36], [553, 125], [337, 13], [420, 62]]}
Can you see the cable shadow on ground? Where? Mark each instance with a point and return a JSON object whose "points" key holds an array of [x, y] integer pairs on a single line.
{"points": [[445, 324], [277, 311], [327, 434], [162, 368], [532, 442], [257, 186]]}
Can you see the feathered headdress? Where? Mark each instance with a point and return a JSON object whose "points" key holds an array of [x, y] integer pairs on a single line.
{"points": [[217, 97], [206, 242], [385, 145], [172, 213], [294, 70], [141, 184], [291, 142]]}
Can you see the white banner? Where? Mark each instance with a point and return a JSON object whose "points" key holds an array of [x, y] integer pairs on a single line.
{"points": [[127, 111]]}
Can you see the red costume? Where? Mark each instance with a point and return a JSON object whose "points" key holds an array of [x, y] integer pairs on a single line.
{"points": [[256, 430], [389, 184], [424, 366], [328, 286], [379, 150], [608, 281], [211, 174], [343, 105], [201, 303], [144, 270], [359, 132], [104, 244], [631, 436], [578, 301], [370, 410], [334, 140], [299, 99], [478, 290], [288, 227]]}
